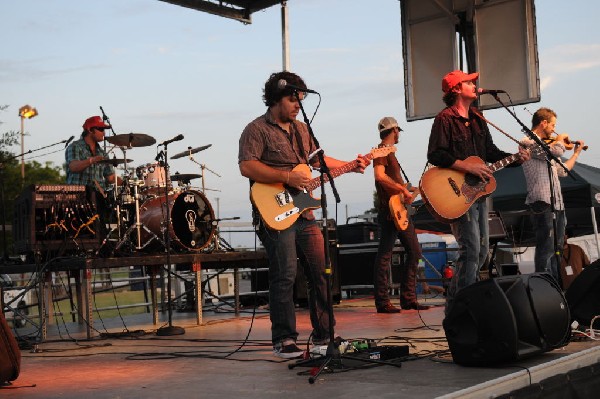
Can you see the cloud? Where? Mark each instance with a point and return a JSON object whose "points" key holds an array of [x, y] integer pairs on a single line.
{"points": [[564, 60], [24, 70]]}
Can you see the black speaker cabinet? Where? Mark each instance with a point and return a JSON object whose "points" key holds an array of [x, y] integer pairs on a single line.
{"points": [[583, 295], [507, 318]]}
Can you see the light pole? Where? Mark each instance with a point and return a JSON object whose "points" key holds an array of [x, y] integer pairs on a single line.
{"points": [[25, 112]]}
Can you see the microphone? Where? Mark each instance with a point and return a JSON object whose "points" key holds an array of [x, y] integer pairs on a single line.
{"points": [[176, 138], [104, 117], [283, 84], [68, 141], [489, 91]]}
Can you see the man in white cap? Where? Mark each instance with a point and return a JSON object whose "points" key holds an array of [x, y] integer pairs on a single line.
{"points": [[388, 182]]}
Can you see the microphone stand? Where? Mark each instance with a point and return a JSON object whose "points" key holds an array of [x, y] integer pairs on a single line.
{"points": [[333, 357], [170, 329], [549, 158]]}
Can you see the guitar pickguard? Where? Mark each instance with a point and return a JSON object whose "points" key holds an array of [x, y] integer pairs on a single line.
{"points": [[472, 187], [283, 198]]}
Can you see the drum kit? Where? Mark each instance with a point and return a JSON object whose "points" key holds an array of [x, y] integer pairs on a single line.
{"points": [[139, 204]]}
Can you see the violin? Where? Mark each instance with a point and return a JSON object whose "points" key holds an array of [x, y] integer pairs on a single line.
{"points": [[567, 142]]}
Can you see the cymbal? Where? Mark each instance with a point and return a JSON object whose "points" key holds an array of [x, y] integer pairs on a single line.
{"points": [[115, 161], [190, 151], [131, 140], [184, 176]]}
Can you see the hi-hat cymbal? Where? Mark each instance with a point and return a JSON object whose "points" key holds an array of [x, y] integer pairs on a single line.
{"points": [[184, 176], [190, 151], [131, 140], [115, 161]]}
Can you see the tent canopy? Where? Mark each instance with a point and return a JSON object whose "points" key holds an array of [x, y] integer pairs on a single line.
{"points": [[240, 10]]}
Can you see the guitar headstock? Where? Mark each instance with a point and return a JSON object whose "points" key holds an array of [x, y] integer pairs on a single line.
{"points": [[382, 151]]}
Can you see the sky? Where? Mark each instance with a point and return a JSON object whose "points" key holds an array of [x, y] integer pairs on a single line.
{"points": [[163, 70]]}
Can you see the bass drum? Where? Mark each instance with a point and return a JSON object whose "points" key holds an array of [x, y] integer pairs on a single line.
{"points": [[191, 226]]}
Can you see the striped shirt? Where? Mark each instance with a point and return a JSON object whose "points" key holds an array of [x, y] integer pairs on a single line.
{"points": [[79, 150], [536, 174]]}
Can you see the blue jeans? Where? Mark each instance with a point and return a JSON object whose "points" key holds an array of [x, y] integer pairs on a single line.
{"points": [[471, 232], [381, 269], [304, 241], [544, 260]]}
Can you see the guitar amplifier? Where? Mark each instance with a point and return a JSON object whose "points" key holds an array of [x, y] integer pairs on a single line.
{"points": [[496, 226], [54, 218]]}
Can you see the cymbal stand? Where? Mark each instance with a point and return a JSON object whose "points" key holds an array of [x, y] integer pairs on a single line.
{"points": [[138, 226], [202, 167], [119, 194], [217, 239]]}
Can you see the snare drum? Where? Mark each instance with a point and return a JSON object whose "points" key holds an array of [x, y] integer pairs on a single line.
{"points": [[192, 219], [155, 178]]}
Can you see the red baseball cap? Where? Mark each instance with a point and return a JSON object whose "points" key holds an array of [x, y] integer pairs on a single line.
{"points": [[95, 121], [455, 77]]}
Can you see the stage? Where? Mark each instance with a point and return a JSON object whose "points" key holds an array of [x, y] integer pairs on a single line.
{"points": [[230, 356]]}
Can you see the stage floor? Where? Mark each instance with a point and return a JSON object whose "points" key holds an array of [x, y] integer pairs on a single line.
{"points": [[209, 361]]}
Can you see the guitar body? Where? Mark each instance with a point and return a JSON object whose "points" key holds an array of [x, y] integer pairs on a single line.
{"points": [[398, 211], [449, 193], [279, 205]]}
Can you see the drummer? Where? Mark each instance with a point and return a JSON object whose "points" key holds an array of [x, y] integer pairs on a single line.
{"points": [[83, 155]]}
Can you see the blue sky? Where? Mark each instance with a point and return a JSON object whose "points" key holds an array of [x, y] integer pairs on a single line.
{"points": [[162, 70]]}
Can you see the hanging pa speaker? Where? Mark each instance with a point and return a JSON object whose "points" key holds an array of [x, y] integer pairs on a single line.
{"points": [[507, 318], [583, 295]]}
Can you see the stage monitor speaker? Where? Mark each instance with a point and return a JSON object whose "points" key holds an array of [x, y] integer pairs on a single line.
{"points": [[507, 318], [583, 295]]}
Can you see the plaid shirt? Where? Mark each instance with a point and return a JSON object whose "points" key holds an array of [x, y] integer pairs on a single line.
{"points": [[264, 140], [79, 150], [536, 174]]}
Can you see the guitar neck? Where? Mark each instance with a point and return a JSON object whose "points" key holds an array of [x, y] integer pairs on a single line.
{"points": [[316, 182], [496, 166]]}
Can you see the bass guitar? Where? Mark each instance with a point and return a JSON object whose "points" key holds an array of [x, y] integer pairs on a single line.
{"points": [[399, 211], [280, 205], [449, 193]]}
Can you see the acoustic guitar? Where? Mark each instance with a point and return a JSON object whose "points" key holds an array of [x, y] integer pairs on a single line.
{"points": [[449, 193], [280, 206]]}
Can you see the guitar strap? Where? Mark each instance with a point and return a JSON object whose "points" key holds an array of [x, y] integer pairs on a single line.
{"points": [[296, 134], [480, 115]]}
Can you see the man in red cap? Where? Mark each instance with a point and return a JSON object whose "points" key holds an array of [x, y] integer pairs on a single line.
{"points": [[459, 132], [84, 168], [83, 155]]}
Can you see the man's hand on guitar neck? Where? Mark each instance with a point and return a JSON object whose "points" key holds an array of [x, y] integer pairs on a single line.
{"points": [[480, 170], [524, 154]]}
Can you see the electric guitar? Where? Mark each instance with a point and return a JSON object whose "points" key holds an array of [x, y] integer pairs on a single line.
{"points": [[449, 193], [398, 209], [280, 205]]}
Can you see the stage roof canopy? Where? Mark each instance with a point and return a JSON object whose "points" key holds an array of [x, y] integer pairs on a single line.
{"points": [[240, 10]]}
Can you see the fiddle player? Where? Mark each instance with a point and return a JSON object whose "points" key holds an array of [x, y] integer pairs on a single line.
{"points": [[538, 199], [457, 133]]}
